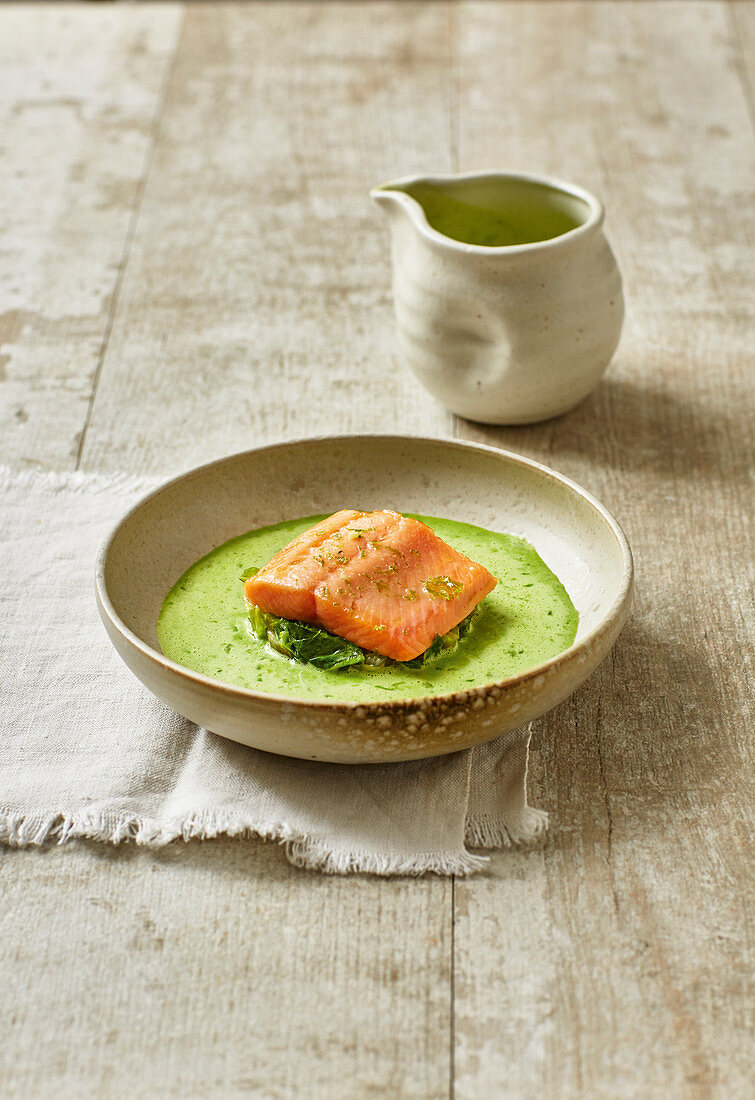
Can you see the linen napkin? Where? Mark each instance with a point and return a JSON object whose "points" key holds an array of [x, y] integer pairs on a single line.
{"points": [[86, 751]]}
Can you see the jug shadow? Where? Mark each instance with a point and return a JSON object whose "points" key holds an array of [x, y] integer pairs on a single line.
{"points": [[635, 426]]}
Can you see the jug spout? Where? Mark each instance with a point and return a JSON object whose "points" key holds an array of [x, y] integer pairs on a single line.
{"points": [[407, 218], [395, 203]]}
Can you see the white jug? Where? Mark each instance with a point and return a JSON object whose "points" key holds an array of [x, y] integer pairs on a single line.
{"points": [[503, 333]]}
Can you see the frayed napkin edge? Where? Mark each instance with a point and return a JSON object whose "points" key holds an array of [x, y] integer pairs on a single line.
{"points": [[485, 831], [315, 854], [312, 853]]}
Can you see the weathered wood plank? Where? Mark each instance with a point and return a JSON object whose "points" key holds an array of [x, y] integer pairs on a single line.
{"points": [[742, 14], [614, 962], [79, 96], [256, 305], [215, 969]]}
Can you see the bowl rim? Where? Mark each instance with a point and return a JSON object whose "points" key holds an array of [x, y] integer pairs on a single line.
{"points": [[616, 612], [415, 210]]}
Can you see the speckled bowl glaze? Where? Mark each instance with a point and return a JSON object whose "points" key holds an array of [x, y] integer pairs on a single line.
{"points": [[511, 334], [175, 525]]}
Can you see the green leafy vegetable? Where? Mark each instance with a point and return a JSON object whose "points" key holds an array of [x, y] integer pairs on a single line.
{"points": [[312, 645], [304, 642], [249, 572], [375, 660], [443, 644], [436, 645], [259, 622], [465, 625]]}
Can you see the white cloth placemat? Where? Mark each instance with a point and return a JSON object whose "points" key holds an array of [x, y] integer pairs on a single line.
{"points": [[86, 751]]}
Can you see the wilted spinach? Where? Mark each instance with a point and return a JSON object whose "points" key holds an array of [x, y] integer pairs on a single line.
{"points": [[311, 645], [315, 646]]}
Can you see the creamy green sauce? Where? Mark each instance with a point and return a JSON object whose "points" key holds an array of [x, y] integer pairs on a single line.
{"points": [[525, 620], [492, 213]]}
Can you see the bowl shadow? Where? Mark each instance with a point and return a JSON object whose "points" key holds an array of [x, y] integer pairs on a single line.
{"points": [[639, 748]]}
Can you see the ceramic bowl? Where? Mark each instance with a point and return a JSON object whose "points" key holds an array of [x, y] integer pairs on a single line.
{"points": [[178, 523]]}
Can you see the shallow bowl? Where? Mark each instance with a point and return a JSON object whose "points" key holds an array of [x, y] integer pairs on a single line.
{"points": [[186, 518]]}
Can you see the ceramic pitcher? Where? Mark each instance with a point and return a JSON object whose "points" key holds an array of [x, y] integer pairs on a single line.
{"points": [[504, 333]]}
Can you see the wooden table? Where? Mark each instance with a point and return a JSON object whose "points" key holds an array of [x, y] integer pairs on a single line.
{"points": [[190, 267]]}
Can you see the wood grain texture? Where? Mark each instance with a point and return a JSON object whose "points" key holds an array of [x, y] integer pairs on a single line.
{"points": [[742, 18], [617, 961], [256, 305], [217, 969], [79, 92], [236, 291]]}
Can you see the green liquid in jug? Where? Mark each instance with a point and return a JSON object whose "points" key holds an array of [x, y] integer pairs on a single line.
{"points": [[496, 213]]}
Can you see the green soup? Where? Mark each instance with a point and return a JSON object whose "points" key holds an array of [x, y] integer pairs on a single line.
{"points": [[496, 212], [525, 620]]}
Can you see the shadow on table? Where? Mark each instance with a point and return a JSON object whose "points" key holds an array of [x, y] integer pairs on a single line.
{"points": [[639, 743], [649, 426], [638, 427], [229, 857]]}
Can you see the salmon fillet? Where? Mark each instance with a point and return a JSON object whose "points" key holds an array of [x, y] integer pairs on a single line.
{"points": [[286, 585], [379, 579]]}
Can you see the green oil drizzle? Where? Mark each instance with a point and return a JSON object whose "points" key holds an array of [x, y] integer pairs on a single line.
{"points": [[527, 619]]}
